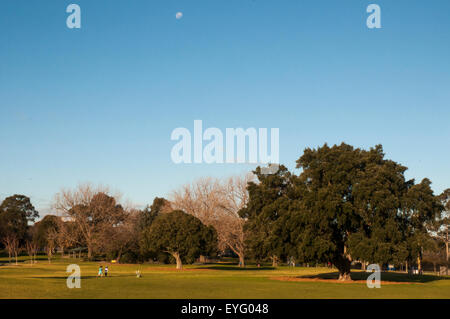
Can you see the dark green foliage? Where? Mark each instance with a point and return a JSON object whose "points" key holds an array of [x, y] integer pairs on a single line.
{"points": [[445, 200], [347, 204], [148, 215], [269, 202], [358, 206], [15, 213], [146, 218], [20, 204], [182, 234], [422, 209], [442, 224]]}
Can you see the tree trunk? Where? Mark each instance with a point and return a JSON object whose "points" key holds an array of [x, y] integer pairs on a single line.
{"points": [[119, 255], [89, 252], [274, 261], [446, 252], [241, 260], [343, 265], [178, 260], [16, 258], [419, 264], [344, 275]]}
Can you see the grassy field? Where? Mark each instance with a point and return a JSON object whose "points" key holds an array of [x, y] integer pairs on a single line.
{"points": [[44, 280]]}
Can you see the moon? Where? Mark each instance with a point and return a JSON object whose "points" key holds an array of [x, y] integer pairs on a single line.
{"points": [[178, 15]]}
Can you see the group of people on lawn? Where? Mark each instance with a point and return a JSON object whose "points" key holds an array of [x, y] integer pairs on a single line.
{"points": [[101, 273]]}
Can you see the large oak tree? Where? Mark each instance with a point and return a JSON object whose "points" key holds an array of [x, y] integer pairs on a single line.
{"points": [[357, 205], [346, 205]]}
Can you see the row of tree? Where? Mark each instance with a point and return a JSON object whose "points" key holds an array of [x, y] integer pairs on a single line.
{"points": [[346, 205], [91, 221]]}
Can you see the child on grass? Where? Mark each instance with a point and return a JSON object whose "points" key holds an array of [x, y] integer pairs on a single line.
{"points": [[100, 271]]}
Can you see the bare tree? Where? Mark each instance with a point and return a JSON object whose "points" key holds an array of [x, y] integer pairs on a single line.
{"points": [[217, 203], [93, 212], [32, 248], [52, 237], [32, 243], [11, 243], [66, 235]]}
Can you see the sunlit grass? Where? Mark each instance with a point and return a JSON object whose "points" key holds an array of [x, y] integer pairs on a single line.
{"points": [[44, 280]]}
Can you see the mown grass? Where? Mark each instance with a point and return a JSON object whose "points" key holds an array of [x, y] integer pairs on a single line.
{"points": [[44, 280]]}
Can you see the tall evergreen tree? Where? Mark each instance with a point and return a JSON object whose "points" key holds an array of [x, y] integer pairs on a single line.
{"points": [[269, 201]]}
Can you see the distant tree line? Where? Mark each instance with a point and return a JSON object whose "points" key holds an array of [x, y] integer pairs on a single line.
{"points": [[346, 205]]}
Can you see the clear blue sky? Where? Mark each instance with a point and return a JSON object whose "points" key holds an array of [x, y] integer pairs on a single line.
{"points": [[99, 104]]}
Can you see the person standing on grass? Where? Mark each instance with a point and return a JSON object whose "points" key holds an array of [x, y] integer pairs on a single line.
{"points": [[100, 271], [106, 271]]}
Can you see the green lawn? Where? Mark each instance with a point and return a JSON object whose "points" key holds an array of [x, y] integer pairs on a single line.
{"points": [[44, 280]]}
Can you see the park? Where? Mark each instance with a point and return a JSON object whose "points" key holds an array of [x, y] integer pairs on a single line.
{"points": [[224, 150], [44, 280], [318, 234]]}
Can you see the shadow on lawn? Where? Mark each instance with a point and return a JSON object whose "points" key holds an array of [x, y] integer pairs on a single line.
{"points": [[83, 277], [385, 276], [234, 267]]}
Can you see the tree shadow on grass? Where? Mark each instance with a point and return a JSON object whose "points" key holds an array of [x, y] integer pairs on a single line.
{"points": [[385, 276], [84, 277], [234, 267]]}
